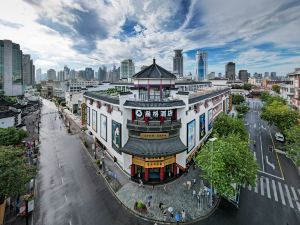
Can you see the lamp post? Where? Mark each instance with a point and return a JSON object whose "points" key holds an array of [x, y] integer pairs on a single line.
{"points": [[211, 186]]}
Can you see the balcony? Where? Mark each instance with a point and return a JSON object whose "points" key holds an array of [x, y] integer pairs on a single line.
{"points": [[153, 126]]}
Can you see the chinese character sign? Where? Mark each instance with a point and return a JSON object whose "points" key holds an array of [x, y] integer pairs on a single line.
{"points": [[116, 135], [202, 126]]}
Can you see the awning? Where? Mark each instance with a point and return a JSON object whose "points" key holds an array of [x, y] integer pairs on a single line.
{"points": [[153, 148]]}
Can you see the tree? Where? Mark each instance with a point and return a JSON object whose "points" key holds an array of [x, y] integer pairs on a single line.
{"points": [[292, 136], [242, 108], [12, 136], [279, 114], [276, 88], [264, 96], [247, 86], [15, 173], [227, 161], [237, 99], [225, 125]]}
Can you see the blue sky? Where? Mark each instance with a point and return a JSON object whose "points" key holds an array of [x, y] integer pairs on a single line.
{"points": [[259, 35]]}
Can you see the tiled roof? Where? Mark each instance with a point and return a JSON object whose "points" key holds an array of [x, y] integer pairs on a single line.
{"points": [[154, 71], [194, 99], [103, 97], [153, 148]]}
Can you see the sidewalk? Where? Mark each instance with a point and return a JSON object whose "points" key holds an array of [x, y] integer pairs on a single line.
{"points": [[174, 196]]}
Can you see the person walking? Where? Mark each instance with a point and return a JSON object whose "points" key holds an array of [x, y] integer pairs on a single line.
{"points": [[183, 215], [194, 193]]}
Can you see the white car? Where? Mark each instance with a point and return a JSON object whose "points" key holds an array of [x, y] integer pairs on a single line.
{"points": [[279, 137]]}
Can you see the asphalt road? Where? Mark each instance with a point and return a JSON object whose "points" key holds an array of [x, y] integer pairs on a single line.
{"points": [[69, 191]]}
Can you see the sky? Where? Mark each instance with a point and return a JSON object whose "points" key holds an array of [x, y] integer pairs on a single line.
{"points": [[258, 35]]}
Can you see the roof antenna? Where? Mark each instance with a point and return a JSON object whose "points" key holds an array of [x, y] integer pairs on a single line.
{"points": [[153, 60]]}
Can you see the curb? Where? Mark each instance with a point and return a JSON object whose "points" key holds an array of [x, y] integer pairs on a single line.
{"points": [[138, 215]]}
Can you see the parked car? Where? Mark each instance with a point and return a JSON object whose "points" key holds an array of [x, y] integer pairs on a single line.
{"points": [[279, 137]]}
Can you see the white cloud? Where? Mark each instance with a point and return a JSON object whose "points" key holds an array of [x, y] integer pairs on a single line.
{"points": [[207, 24]]}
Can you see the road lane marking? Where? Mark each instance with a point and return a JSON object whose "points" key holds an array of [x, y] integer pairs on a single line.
{"points": [[296, 198], [262, 190], [70, 222], [276, 153], [289, 196], [268, 188], [62, 180], [270, 175], [254, 153], [281, 193], [262, 154], [269, 163], [66, 199], [274, 191]]}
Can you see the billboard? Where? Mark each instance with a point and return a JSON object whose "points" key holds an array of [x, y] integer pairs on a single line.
{"points": [[210, 115], [116, 129], [202, 131], [83, 114], [94, 120], [191, 135], [103, 126]]}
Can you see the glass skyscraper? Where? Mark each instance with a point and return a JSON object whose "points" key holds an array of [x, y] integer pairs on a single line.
{"points": [[201, 65]]}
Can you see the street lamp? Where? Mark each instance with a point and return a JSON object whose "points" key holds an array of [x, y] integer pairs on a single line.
{"points": [[211, 187]]}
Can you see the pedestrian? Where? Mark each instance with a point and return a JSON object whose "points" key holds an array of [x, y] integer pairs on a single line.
{"points": [[194, 193], [141, 183], [165, 215], [149, 203], [165, 188], [183, 215], [194, 181], [160, 205]]}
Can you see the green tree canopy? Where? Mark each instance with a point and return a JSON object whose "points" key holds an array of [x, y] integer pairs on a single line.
{"points": [[237, 99], [242, 108], [276, 88], [292, 136], [15, 173], [227, 161], [279, 114], [247, 86], [12, 136], [225, 125]]}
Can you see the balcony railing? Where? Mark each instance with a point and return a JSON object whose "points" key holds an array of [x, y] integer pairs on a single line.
{"points": [[153, 126]]}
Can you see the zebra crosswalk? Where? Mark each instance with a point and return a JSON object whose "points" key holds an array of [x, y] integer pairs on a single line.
{"points": [[278, 191]]}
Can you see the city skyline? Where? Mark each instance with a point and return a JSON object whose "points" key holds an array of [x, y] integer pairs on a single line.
{"points": [[76, 31]]}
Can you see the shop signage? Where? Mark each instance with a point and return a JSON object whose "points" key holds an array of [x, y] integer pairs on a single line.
{"points": [[154, 135], [154, 113]]}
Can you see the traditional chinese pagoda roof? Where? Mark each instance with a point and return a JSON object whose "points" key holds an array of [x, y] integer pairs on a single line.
{"points": [[153, 148], [154, 71]]}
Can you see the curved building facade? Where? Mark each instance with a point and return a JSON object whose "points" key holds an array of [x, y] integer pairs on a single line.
{"points": [[154, 130]]}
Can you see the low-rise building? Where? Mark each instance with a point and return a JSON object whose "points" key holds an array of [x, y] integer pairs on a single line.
{"points": [[295, 78], [154, 130], [287, 92]]}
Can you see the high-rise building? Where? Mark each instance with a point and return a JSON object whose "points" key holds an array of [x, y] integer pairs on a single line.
{"points": [[273, 75], [178, 63], [211, 75], [26, 69], [39, 75], [266, 74], [102, 73], [127, 69], [230, 71], [201, 65], [219, 74], [32, 72], [11, 82], [243, 75], [66, 73], [89, 73], [61, 75], [72, 74], [51, 74]]}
